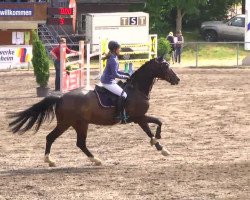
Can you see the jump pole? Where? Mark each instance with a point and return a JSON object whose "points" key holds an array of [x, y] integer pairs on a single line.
{"points": [[88, 87], [62, 64], [81, 58]]}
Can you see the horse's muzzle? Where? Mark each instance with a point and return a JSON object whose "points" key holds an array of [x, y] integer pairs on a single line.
{"points": [[175, 81]]}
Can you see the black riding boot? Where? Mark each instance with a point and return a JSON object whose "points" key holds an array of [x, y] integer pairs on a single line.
{"points": [[120, 110]]}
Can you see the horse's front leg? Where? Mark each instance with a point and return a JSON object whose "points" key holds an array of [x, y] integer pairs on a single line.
{"points": [[144, 125], [155, 120]]}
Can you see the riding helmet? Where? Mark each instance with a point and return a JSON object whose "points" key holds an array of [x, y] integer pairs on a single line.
{"points": [[113, 45]]}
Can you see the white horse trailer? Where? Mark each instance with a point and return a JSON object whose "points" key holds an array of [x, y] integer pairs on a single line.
{"points": [[124, 27]]}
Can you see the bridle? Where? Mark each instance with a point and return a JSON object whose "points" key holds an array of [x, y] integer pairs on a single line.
{"points": [[161, 66], [130, 81]]}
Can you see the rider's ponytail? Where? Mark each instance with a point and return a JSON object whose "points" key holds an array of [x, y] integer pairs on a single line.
{"points": [[107, 55]]}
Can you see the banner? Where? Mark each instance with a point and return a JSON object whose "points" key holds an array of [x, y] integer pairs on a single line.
{"points": [[72, 80], [15, 56], [16, 12]]}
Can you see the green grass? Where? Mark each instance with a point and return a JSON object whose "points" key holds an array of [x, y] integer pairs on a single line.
{"points": [[210, 54], [192, 36], [213, 51]]}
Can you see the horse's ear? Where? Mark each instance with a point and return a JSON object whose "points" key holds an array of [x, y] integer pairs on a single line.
{"points": [[160, 59]]}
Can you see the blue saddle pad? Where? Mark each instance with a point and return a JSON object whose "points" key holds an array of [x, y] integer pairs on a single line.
{"points": [[105, 97]]}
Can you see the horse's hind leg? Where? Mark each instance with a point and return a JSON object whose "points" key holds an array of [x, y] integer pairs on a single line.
{"points": [[51, 137], [81, 130]]}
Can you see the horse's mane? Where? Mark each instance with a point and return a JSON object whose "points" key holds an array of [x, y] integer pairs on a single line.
{"points": [[140, 70], [141, 78]]}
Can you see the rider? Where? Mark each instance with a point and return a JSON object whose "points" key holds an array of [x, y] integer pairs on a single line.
{"points": [[109, 75]]}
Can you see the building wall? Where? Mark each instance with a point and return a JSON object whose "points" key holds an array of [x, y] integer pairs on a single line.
{"points": [[24, 24], [39, 9], [6, 36]]}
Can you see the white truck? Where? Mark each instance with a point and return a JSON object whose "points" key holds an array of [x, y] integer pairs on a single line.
{"points": [[124, 27]]}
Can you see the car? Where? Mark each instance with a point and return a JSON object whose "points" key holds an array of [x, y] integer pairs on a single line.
{"points": [[232, 30]]}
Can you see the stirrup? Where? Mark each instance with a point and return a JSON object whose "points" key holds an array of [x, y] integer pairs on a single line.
{"points": [[124, 117]]}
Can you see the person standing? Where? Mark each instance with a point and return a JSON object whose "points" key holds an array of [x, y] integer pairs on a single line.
{"points": [[170, 39], [179, 46], [55, 53]]}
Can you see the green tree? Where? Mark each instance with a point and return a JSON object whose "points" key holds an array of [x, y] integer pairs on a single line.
{"points": [[157, 10], [40, 61], [164, 12], [185, 7], [214, 10], [164, 47], [217, 9], [160, 10]]}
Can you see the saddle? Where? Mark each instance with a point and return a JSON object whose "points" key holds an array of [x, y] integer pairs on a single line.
{"points": [[106, 98]]}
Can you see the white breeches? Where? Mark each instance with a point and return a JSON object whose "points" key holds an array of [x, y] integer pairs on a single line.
{"points": [[116, 89]]}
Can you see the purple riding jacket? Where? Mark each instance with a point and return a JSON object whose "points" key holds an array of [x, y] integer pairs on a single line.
{"points": [[111, 71]]}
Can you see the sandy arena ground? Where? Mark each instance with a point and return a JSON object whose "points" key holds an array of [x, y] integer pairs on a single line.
{"points": [[206, 127]]}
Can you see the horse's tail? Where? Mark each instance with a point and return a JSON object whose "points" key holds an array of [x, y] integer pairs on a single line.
{"points": [[36, 114]]}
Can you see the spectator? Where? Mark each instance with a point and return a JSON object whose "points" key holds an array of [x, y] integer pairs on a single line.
{"points": [[170, 38], [179, 46], [55, 53]]}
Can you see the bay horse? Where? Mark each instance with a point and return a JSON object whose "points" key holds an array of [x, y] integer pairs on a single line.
{"points": [[78, 110]]}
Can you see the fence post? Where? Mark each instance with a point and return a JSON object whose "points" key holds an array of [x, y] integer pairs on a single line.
{"points": [[88, 87], [238, 46], [197, 54], [62, 64]]}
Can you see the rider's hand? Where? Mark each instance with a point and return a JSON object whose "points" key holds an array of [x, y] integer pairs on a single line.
{"points": [[127, 74], [128, 77]]}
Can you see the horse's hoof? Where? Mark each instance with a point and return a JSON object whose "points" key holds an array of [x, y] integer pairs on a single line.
{"points": [[165, 152], [48, 160], [52, 164], [96, 161]]}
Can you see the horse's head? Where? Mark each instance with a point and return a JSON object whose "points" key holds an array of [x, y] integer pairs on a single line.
{"points": [[163, 71]]}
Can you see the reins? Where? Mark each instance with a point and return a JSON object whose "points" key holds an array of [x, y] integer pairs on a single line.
{"points": [[130, 82]]}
